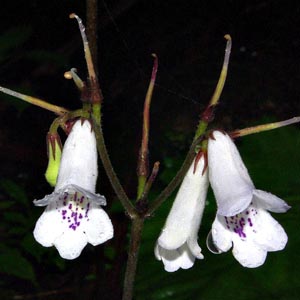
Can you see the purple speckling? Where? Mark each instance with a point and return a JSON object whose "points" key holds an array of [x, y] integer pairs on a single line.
{"points": [[250, 222]]}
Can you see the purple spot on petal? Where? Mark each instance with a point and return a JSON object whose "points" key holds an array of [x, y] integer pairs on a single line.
{"points": [[250, 222]]}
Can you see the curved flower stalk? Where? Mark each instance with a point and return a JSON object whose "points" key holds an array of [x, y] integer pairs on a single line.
{"points": [[242, 217], [177, 245], [73, 216]]}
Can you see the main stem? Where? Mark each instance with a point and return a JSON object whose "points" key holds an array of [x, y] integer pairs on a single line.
{"points": [[135, 241]]}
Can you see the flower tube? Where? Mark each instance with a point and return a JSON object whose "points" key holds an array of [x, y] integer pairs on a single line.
{"points": [[242, 219], [177, 244], [73, 216]]}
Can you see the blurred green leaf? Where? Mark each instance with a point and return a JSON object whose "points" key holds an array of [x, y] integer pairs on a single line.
{"points": [[15, 218], [13, 263], [13, 38], [30, 245], [14, 191]]}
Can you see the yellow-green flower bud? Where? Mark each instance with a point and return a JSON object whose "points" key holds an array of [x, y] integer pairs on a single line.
{"points": [[54, 148]]}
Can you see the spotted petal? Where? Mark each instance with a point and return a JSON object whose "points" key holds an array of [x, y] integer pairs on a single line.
{"points": [[253, 233]]}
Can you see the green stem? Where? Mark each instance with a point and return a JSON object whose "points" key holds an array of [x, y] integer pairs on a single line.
{"points": [[176, 180], [135, 241], [130, 209]]}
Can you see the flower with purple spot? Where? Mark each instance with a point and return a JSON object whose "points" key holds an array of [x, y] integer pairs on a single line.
{"points": [[73, 216], [242, 221]]}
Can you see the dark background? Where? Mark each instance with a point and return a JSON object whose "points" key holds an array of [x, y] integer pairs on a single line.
{"points": [[38, 43]]}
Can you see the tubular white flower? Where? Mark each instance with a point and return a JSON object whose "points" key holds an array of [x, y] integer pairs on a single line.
{"points": [[73, 216], [242, 219], [177, 244]]}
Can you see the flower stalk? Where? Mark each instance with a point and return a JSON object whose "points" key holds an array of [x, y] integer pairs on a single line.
{"points": [[35, 101], [264, 127], [113, 178], [143, 162], [208, 114]]}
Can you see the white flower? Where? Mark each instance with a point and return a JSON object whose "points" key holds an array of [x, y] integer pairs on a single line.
{"points": [[177, 245], [73, 216], [242, 218]]}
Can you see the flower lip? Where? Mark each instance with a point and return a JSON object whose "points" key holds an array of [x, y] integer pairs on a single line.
{"points": [[252, 233], [71, 220], [72, 189]]}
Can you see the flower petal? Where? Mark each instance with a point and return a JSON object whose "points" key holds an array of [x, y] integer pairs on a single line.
{"points": [[248, 254], [195, 248], [70, 244], [79, 158], [270, 235], [269, 201], [96, 198], [98, 228], [187, 258], [157, 251], [228, 176], [49, 226], [175, 259], [221, 236], [47, 199], [186, 213]]}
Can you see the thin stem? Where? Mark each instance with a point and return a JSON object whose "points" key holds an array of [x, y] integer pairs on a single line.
{"points": [[91, 28], [135, 241], [208, 114], [150, 181], [35, 101], [142, 168], [264, 127], [216, 96], [87, 51], [176, 180], [130, 209], [73, 75]]}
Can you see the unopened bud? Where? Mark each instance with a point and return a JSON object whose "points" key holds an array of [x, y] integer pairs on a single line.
{"points": [[54, 148]]}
